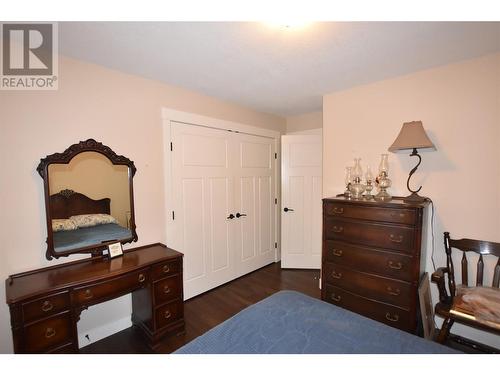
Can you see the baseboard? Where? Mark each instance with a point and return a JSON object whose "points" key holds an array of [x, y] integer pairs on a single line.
{"points": [[101, 332]]}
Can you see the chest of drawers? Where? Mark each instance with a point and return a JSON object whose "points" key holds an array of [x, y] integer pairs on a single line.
{"points": [[373, 258], [45, 304]]}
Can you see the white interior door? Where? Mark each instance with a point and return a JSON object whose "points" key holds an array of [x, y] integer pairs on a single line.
{"points": [[216, 174], [254, 202], [301, 193], [202, 189]]}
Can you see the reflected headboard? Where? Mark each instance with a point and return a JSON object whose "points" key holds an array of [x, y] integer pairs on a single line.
{"points": [[68, 203]]}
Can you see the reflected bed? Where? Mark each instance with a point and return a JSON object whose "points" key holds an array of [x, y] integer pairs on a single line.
{"points": [[293, 323]]}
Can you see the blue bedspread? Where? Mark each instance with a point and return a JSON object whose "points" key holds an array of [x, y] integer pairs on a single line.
{"points": [[71, 239], [293, 323]]}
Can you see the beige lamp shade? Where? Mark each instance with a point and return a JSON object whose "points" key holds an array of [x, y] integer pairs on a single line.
{"points": [[412, 135]]}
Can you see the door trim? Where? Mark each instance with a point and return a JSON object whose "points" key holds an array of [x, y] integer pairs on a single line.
{"points": [[169, 115]]}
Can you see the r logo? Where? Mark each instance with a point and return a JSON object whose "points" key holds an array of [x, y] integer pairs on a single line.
{"points": [[27, 49]]}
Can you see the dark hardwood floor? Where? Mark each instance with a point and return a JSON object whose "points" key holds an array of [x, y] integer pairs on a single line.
{"points": [[207, 310]]}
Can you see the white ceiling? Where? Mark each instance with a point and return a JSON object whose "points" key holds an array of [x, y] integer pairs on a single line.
{"points": [[271, 69]]}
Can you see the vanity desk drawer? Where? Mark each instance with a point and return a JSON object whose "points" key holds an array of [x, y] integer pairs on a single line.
{"points": [[167, 289], [169, 313], [45, 306], [94, 293], [48, 334], [165, 269]]}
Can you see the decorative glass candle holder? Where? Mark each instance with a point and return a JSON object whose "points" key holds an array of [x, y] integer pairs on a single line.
{"points": [[357, 188], [383, 180], [348, 182], [369, 183]]}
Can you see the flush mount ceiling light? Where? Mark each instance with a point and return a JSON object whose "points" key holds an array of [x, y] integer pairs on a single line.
{"points": [[288, 24]]}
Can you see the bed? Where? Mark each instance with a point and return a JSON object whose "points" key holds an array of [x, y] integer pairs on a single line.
{"points": [[69, 204], [289, 322]]}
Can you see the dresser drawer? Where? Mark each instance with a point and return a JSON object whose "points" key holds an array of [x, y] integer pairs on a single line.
{"points": [[105, 290], [166, 269], [167, 289], [384, 263], [370, 286], [391, 215], [385, 313], [376, 235], [48, 333], [45, 306], [169, 313]]}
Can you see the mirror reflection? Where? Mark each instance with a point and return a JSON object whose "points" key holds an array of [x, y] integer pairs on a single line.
{"points": [[89, 202]]}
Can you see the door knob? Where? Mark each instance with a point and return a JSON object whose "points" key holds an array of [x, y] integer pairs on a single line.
{"points": [[286, 209], [238, 215], [231, 216]]}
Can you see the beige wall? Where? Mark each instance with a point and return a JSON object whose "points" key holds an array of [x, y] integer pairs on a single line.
{"points": [[459, 106], [120, 110], [93, 175], [307, 123]]}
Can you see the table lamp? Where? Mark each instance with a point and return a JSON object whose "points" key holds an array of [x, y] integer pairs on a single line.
{"points": [[412, 136]]}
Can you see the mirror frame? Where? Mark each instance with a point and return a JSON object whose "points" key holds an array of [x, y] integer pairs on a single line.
{"points": [[64, 158]]}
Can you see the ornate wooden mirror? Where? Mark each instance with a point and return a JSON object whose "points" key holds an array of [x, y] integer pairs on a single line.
{"points": [[89, 199]]}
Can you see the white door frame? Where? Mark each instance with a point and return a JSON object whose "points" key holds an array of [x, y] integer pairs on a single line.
{"points": [[168, 115]]}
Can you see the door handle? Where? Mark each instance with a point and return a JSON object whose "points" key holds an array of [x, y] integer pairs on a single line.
{"points": [[231, 216], [238, 215], [286, 209]]}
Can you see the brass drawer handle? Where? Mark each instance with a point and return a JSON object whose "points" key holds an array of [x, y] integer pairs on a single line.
{"points": [[166, 268], [395, 239], [336, 275], [337, 253], [167, 314], [166, 289], [50, 332], [392, 318], [47, 306], [339, 211], [395, 266], [393, 292], [338, 229], [335, 297], [88, 294], [141, 278]]}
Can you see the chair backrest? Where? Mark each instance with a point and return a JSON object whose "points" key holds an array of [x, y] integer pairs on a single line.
{"points": [[476, 246]]}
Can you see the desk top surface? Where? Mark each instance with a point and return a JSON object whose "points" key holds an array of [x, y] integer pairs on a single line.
{"points": [[51, 279]]}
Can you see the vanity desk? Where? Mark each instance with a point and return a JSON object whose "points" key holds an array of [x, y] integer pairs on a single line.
{"points": [[45, 304]]}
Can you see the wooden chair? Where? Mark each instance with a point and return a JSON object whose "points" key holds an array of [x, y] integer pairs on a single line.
{"points": [[448, 297]]}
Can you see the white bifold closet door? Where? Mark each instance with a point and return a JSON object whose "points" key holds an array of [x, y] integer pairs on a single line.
{"points": [[216, 174]]}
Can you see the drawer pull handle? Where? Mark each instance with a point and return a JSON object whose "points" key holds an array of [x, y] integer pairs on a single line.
{"points": [[335, 297], [393, 292], [395, 266], [392, 318], [336, 275], [337, 253], [338, 229], [47, 306], [337, 210], [166, 268], [50, 332], [141, 278], [166, 289], [167, 314], [88, 294], [397, 239]]}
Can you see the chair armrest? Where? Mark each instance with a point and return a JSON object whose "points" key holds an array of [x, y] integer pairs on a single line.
{"points": [[438, 278]]}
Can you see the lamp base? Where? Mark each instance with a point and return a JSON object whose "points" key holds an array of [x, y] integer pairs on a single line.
{"points": [[414, 198]]}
